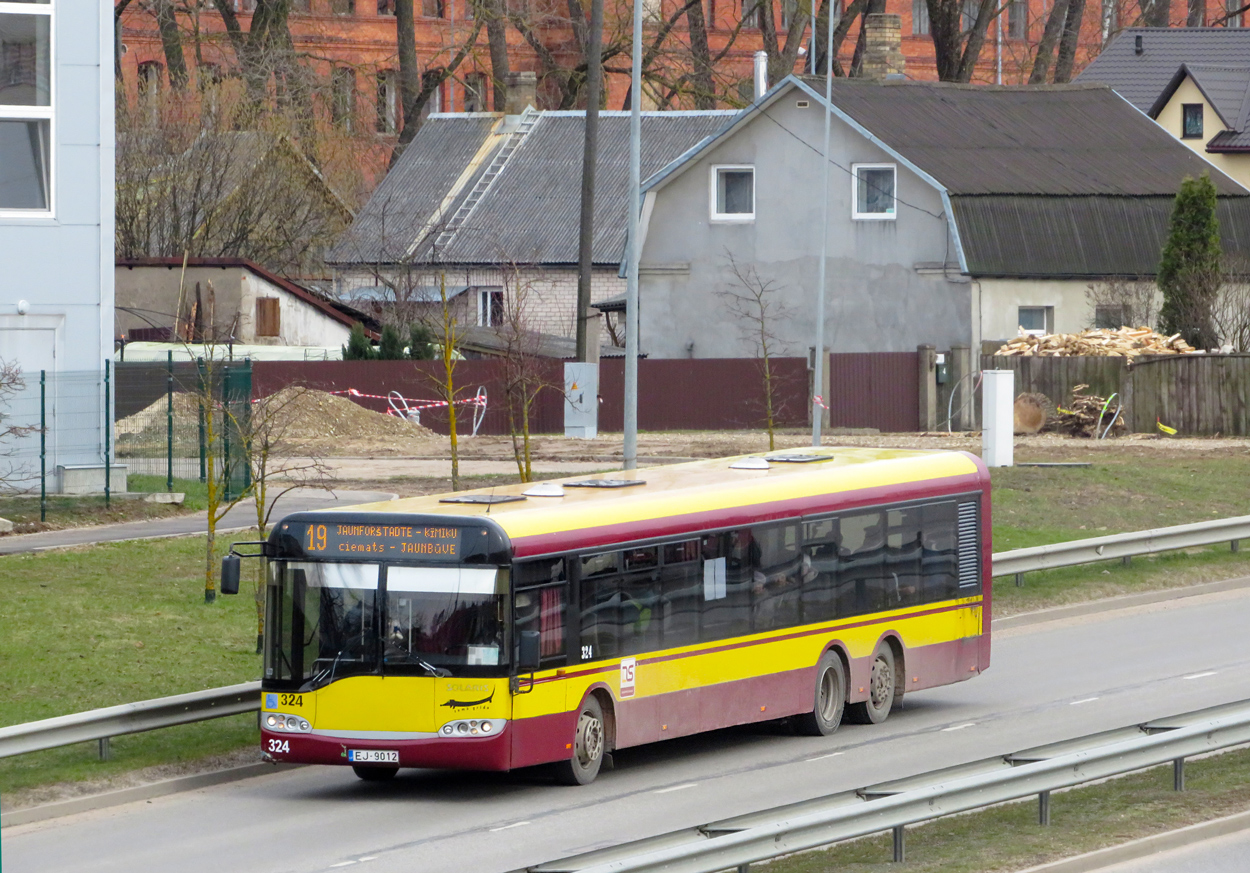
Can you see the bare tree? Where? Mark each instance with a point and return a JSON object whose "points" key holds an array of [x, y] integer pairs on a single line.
{"points": [[524, 377], [11, 383], [1231, 310], [446, 331], [756, 303], [1130, 302], [958, 38]]}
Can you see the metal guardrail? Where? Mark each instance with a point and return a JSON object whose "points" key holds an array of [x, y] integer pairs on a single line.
{"points": [[1124, 546], [739, 842], [129, 718], [100, 724]]}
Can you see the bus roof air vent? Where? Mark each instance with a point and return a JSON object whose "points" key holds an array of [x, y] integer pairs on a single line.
{"points": [[799, 458], [604, 483], [545, 489], [749, 464], [487, 499]]}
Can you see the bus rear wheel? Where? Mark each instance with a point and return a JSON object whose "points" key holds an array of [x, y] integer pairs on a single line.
{"points": [[882, 685], [589, 745], [374, 774], [830, 697]]}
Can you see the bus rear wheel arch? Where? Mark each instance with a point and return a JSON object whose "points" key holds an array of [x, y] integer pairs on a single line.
{"points": [[589, 746], [829, 698], [885, 689]]}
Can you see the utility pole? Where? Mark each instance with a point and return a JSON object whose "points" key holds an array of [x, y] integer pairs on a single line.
{"points": [[818, 356], [631, 287], [585, 255]]}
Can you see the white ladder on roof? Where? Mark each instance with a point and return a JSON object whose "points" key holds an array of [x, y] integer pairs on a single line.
{"points": [[458, 218]]}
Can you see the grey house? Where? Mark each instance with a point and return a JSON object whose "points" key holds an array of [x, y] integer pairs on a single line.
{"points": [[56, 216], [956, 213], [486, 206]]}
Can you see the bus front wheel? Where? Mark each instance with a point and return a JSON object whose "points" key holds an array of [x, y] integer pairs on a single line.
{"points": [[589, 745], [830, 697], [882, 685], [374, 774]]}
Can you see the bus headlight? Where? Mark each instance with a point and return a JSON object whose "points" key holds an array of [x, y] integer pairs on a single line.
{"points": [[277, 721], [467, 728]]}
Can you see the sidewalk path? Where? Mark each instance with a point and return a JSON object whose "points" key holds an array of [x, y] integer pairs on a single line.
{"points": [[241, 517]]}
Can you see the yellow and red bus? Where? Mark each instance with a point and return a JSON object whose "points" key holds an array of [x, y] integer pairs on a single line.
{"points": [[557, 622]]}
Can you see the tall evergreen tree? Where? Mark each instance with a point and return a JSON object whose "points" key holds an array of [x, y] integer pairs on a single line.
{"points": [[358, 347], [1189, 269], [391, 348], [420, 342]]}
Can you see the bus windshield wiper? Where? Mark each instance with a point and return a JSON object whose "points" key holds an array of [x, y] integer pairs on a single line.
{"points": [[413, 658]]}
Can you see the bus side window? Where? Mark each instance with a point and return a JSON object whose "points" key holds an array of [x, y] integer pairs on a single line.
{"points": [[861, 579], [728, 615], [542, 607], [902, 556], [820, 570], [939, 560], [776, 576], [640, 601], [681, 589], [600, 606]]}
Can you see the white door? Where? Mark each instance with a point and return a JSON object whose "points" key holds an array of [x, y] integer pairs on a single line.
{"points": [[33, 350]]}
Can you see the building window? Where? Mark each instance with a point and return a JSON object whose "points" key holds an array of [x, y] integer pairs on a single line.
{"points": [[1035, 320], [343, 7], [432, 8], [343, 96], [874, 186], [301, 7], [968, 14], [490, 307], [919, 16], [245, 6], [387, 120], [475, 86], [1191, 121], [1110, 317], [150, 73], [268, 316], [733, 193], [1236, 17], [752, 13], [386, 7], [1017, 19], [26, 110]]}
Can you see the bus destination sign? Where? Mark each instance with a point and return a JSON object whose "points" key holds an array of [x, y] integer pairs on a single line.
{"points": [[341, 539]]}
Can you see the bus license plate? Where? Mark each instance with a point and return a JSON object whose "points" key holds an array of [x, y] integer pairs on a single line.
{"points": [[373, 756]]}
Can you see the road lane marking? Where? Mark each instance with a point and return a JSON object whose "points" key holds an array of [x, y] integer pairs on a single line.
{"points": [[681, 787], [959, 727], [342, 864], [368, 858], [515, 824], [1200, 675], [1085, 700], [830, 755]]}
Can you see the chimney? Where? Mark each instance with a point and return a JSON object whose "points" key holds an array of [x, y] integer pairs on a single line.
{"points": [[1137, 46], [522, 92], [883, 47], [761, 74]]}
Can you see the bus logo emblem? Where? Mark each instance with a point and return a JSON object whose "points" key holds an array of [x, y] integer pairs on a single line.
{"points": [[627, 676]]}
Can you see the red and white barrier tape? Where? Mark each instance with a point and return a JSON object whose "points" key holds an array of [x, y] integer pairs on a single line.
{"points": [[414, 405]]}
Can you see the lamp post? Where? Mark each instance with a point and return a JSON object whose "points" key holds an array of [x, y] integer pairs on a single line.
{"points": [[631, 287], [818, 357]]}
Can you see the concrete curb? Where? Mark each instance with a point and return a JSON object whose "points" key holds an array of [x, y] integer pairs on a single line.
{"points": [[1109, 604], [138, 792], [1147, 846]]}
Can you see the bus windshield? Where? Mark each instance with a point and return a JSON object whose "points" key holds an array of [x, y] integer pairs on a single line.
{"points": [[329, 620]]}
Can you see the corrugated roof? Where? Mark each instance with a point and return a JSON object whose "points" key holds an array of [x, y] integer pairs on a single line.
{"points": [[399, 210], [1142, 78], [1033, 140], [531, 213], [1079, 236]]}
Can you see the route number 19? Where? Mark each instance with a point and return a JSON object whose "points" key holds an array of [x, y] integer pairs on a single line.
{"points": [[316, 538]]}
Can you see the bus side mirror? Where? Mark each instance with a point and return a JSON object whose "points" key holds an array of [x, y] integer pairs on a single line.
{"points": [[230, 574], [531, 652]]}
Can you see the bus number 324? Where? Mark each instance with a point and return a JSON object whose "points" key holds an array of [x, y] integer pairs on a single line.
{"points": [[279, 746]]}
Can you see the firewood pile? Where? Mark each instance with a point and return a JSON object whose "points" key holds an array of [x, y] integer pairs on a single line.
{"points": [[1087, 416], [1123, 342]]}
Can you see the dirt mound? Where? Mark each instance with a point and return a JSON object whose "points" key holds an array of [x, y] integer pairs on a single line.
{"points": [[299, 420]]}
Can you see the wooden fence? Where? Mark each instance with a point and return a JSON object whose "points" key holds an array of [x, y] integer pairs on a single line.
{"points": [[1198, 395]]}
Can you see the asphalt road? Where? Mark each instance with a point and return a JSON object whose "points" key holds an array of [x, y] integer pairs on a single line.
{"points": [[1226, 854], [1047, 682]]}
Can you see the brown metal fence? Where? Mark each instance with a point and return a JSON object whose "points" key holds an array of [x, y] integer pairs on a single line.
{"points": [[874, 389]]}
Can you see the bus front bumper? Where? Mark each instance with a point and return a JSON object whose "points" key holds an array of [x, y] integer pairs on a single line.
{"points": [[453, 753]]}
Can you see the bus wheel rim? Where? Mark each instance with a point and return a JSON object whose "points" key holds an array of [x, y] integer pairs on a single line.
{"points": [[589, 739], [882, 683], [827, 694]]}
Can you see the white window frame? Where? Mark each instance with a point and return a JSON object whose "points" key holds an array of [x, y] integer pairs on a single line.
{"points": [[872, 216], [38, 113], [1048, 321], [729, 217], [484, 295]]}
